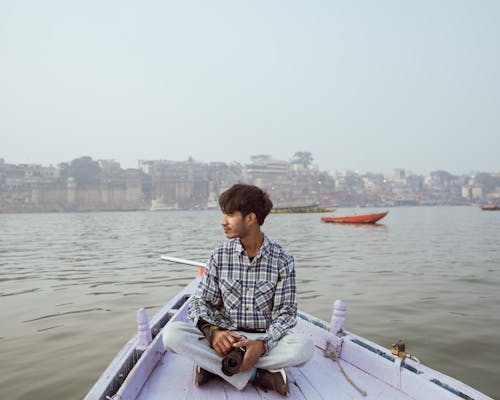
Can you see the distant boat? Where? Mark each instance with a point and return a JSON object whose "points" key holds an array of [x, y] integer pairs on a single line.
{"points": [[301, 209], [356, 219], [490, 207], [157, 205]]}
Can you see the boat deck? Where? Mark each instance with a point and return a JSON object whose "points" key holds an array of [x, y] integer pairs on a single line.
{"points": [[319, 379], [162, 374]]}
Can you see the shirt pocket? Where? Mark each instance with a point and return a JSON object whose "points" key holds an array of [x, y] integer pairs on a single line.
{"points": [[264, 296], [231, 293]]}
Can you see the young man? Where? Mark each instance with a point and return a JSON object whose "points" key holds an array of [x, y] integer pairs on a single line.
{"points": [[246, 299]]}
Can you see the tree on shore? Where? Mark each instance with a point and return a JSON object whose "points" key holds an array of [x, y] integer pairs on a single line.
{"points": [[304, 158], [490, 182], [86, 171], [443, 176]]}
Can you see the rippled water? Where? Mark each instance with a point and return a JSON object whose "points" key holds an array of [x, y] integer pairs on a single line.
{"points": [[70, 285]]}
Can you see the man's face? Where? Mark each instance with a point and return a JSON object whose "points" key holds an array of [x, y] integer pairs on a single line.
{"points": [[234, 225]]}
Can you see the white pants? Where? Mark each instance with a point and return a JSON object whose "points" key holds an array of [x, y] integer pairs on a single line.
{"points": [[183, 338]]}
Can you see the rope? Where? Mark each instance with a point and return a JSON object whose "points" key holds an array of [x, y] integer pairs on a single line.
{"points": [[332, 355]]}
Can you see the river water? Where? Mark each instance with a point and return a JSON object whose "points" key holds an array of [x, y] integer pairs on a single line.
{"points": [[70, 285]]}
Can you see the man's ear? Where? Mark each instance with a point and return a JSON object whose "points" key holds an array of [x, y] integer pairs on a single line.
{"points": [[251, 218]]}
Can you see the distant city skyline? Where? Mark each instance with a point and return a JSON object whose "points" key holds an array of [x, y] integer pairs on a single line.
{"points": [[82, 185], [365, 86], [134, 164]]}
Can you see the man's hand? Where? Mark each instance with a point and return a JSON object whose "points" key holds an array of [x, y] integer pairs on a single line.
{"points": [[222, 341], [254, 350]]}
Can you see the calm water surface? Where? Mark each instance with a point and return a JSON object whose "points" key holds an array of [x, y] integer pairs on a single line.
{"points": [[70, 285]]}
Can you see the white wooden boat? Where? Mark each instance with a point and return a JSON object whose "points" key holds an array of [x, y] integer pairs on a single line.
{"points": [[344, 366]]}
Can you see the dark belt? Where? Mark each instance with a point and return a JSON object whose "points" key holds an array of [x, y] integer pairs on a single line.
{"points": [[251, 330]]}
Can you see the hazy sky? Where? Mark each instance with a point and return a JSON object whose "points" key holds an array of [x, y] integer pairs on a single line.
{"points": [[363, 85]]}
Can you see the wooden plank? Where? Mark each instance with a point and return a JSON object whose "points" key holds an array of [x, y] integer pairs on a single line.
{"points": [[174, 378], [375, 388], [169, 380], [325, 376], [300, 383], [372, 363]]}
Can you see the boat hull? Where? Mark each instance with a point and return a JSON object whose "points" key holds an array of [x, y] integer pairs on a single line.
{"points": [[146, 372], [490, 207], [356, 219]]}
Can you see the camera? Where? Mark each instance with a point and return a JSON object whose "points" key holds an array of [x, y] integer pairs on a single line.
{"points": [[231, 363]]}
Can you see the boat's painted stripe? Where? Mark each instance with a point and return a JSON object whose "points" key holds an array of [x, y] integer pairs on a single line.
{"points": [[374, 350], [314, 321], [412, 369], [452, 390]]}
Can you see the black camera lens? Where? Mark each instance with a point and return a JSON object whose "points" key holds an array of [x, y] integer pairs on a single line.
{"points": [[232, 362]]}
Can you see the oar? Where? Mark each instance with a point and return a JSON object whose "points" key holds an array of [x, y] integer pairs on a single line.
{"points": [[201, 266]]}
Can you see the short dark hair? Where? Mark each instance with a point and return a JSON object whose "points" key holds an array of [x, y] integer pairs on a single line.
{"points": [[246, 199]]}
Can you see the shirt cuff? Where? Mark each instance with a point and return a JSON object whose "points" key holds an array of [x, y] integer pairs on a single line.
{"points": [[268, 344]]}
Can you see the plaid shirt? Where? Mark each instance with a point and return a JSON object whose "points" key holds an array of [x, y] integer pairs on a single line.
{"points": [[238, 294]]}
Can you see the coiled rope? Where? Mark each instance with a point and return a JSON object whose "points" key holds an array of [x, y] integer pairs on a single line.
{"points": [[332, 355]]}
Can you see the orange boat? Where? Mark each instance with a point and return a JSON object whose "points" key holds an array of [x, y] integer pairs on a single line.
{"points": [[356, 219], [490, 207]]}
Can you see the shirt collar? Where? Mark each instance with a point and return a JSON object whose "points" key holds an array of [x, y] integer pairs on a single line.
{"points": [[263, 251]]}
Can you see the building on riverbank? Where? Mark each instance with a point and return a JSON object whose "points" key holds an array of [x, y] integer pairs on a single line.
{"points": [[33, 188], [88, 185]]}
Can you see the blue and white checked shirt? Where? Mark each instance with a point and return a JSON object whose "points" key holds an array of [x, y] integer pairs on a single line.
{"points": [[238, 294]]}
